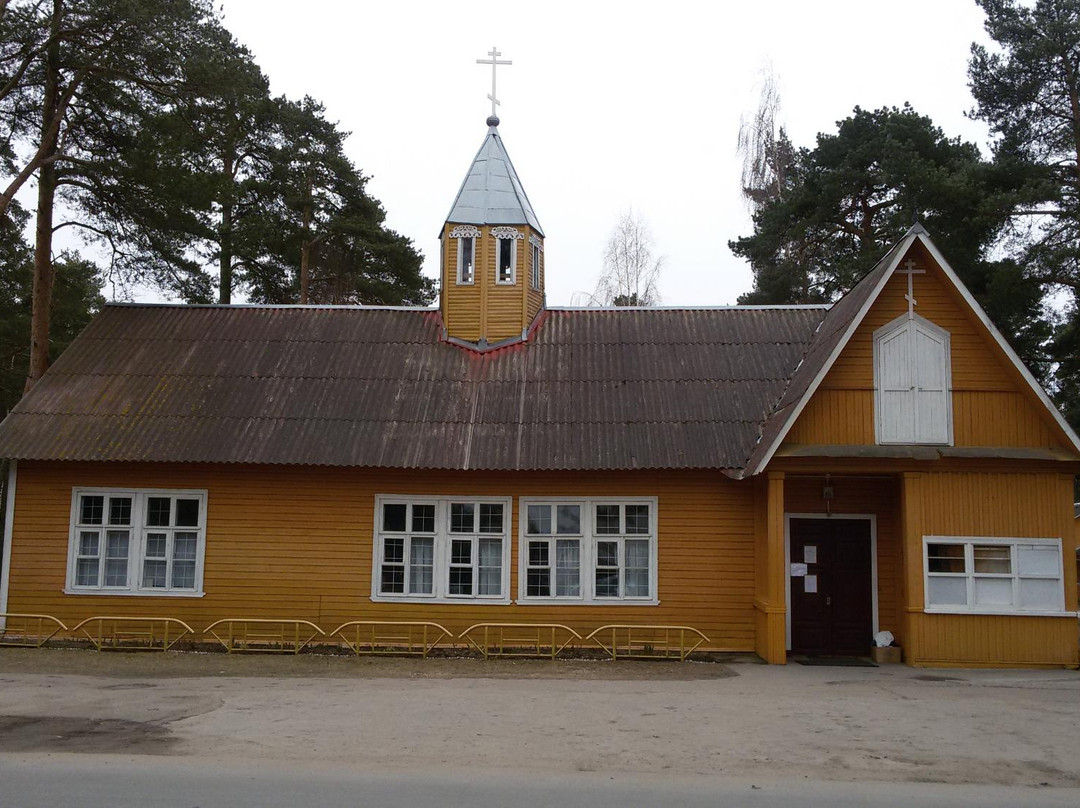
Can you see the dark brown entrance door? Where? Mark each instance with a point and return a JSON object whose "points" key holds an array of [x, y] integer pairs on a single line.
{"points": [[832, 605]]}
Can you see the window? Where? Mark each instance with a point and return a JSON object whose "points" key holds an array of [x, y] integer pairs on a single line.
{"points": [[466, 260], [597, 551], [553, 562], [997, 576], [535, 264], [441, 550], [136, 542], [912, 379], [408, 549], [507, 259]]}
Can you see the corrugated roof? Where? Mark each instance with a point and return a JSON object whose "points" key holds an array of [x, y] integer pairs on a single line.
{"points": [[492, 192], [366, 387]]}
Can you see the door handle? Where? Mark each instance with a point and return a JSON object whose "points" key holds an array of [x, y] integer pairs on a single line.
{"points": [[828, 600]]}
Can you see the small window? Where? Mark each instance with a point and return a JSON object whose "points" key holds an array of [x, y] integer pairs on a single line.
{"points": [[535, 266], [506, 260], [137, 543], [998, 576], [466, 263]]}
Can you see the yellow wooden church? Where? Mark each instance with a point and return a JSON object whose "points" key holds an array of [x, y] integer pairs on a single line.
{"points": [[785, 480]]}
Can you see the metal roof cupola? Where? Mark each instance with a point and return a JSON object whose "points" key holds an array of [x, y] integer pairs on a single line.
{"points": [[492, 247]]}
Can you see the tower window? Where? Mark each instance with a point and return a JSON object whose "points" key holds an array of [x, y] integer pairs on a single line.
{"points": [[466, 269], [507, 257], [535, 266]]}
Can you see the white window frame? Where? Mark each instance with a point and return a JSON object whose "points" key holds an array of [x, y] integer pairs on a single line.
{"points": [[136, 542], [911, 324], [969, 576], [534, 251], [588, 552], [441, 555], [407, 537], [512, 280], [460, 266]]}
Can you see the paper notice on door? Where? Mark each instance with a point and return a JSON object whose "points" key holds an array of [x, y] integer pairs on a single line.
{"points": [[810, 582], [798, 570], [809, 554]]}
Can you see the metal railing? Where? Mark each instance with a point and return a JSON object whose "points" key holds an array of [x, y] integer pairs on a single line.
{"points": [[391, 636], [416, 638], [243, 635], [519, 639], [649, 642], [133, 633], [28, 630]]}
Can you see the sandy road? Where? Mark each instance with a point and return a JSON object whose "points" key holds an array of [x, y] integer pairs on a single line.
{"points": [[890, 724]]}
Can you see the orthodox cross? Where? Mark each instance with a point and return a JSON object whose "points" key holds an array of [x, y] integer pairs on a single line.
{"points": [[910, 270], [494, 61]]}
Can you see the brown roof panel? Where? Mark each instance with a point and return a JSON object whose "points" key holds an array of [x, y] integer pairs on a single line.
{"points": [[592, 389]]}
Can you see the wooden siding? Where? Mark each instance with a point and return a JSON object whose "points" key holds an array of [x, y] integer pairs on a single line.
{"points": [[297, 542], [461, 304], [992, 406], [948, 640], [486, 309], [1008, 505]]}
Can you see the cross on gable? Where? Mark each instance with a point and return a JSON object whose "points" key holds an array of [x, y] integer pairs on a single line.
{"points": [[910, 270], [494, 61]]}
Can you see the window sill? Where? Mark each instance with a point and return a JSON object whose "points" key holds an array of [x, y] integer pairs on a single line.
{"points": [[583, 602], [995, 613], [421, 599], [128, 593]]}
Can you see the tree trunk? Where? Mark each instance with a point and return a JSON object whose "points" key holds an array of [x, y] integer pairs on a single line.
{"points": [[225, 246], [41, 301], [305, 251]]}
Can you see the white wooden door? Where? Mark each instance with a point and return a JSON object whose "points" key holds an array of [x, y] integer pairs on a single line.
{"points": [[912, 380]]}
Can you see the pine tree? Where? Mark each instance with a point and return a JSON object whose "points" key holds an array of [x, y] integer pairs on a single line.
{"points": [[860, 189]]}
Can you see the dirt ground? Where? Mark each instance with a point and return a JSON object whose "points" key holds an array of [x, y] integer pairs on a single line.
{"points": [[342, 666], [383, 715]]}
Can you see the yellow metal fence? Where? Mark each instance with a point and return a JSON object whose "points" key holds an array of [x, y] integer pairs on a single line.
{"points": [[417, 638]]}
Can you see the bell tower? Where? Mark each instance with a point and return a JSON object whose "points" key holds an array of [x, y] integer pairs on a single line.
{"points": [[492, 247]]}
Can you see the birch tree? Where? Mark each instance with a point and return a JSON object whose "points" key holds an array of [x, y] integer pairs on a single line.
{"points": [[631, 271]]}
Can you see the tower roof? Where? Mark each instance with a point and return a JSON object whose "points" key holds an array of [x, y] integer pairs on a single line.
{"points": [[492, 192]]}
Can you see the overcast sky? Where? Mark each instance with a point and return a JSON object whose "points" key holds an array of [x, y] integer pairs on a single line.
{"points": [[607, 105]]}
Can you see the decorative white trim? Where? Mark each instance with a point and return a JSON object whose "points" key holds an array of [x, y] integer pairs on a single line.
{"points": [[6, 537], [137, 543], [1002, 343], [872, 519], [587, 557], [441, 550], [907, 321], [537, 242], [800, 405], [507, 232], [465, 231]]}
